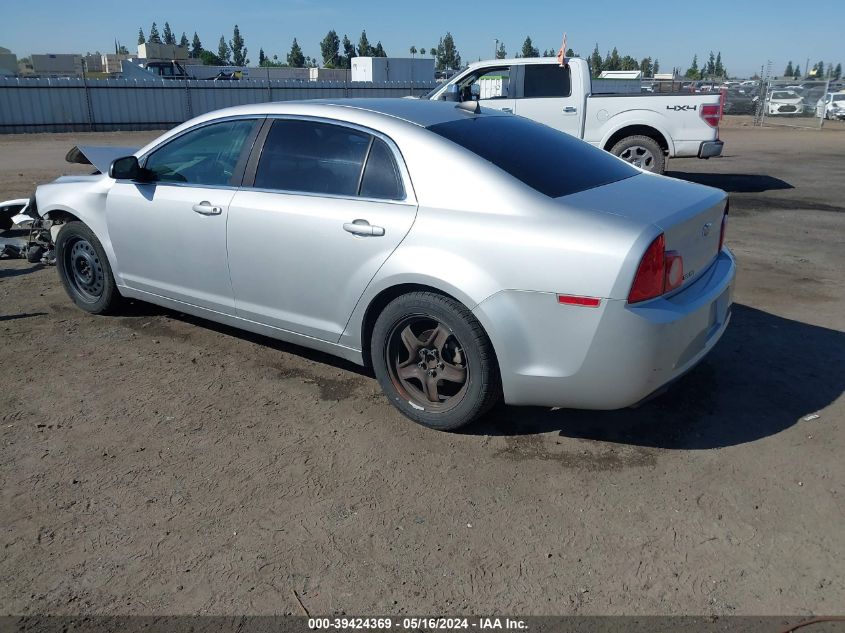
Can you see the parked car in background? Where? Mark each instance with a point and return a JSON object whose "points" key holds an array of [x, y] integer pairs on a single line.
{"points": [[832, 106], [739, 103], [642, 128], [784, 102], [463, 253]]}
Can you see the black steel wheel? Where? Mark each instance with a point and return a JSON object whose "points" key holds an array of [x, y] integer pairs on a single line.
{"points": [[84, 269], [434, 361]]}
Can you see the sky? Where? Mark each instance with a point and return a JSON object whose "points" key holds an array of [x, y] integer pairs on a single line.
{"points": [[748, 34]]}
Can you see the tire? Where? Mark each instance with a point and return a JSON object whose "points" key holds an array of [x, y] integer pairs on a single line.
{"points": [[84, 269], [639, 150], [445, 339]]}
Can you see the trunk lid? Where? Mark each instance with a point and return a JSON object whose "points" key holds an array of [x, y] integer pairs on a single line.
{"points": [[689, 215]]}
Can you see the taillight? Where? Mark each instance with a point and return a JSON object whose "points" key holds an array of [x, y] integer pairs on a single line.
{"points": [[711, 114], [651, 274], [674, 265], [659, 272], [724, 227]]}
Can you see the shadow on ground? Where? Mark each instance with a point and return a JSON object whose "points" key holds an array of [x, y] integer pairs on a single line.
{"points": [[734, 183], [765, 374]]}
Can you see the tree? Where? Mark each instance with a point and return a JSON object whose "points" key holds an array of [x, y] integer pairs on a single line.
{"points": [[710, 69], [141, 38], [183, 41], [154, 38], [295, 57], [692, 71], [196, 47], [790, 71], [348, 52], [364, 48], [720, 69], [262, 58], [239, 51], [837, 72], [447, 54], [528, 48], [656, 67], [224, 53], [596, 61], [569, 53], [413, 51], [432, 52], [210, 59], [169, 37], [646, 67], [615, 61], [330, 50], [378, 51], [629, 63], [501, 53], [797, 71]]}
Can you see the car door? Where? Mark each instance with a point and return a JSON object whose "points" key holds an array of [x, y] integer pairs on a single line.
{"points": [[322, 207], [169, 233], [546, 95], [493, 87]]}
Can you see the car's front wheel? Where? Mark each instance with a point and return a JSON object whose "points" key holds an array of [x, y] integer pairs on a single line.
{"points": [[84, 269], [434, 361]]}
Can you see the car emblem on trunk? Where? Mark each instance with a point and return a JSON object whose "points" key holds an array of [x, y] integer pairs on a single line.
{"points": [[705, 230]]}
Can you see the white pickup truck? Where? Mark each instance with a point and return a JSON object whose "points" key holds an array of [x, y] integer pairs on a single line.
{"points": [[643, 129]]}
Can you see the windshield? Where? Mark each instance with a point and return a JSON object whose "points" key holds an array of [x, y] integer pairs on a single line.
{"points": [[839, 98], [784, 95], [549, 161]]}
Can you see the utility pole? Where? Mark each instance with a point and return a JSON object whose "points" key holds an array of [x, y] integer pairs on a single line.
{"points": [[496, 49]]}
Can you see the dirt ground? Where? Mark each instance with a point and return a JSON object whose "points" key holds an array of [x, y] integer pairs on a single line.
{"points": [[154, 463]]}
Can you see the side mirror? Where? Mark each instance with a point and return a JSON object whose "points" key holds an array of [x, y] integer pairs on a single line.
{"points": [[452, 93], [127, 168]]}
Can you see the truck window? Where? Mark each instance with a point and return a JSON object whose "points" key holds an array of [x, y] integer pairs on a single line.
{"points": [[546, 80]]}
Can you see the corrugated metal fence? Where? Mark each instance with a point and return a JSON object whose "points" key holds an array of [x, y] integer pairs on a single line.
{"points": [[72, 105]]}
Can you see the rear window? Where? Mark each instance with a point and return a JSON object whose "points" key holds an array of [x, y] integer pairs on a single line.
{"points": [[553, 163], [546, 80]]}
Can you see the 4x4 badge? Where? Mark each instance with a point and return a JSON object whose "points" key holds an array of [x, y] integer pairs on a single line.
{"points": [[681, 108]]}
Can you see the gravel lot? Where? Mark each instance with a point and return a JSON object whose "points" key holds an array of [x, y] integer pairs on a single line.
{"points": [[154, 463]]}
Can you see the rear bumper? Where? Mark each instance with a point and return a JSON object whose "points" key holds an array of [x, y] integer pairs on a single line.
{"points": [[609, 357], [710, 149]]}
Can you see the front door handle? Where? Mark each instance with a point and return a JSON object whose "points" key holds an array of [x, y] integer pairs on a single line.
{"points": [[508, 110], [206, 208], [362, 227]]}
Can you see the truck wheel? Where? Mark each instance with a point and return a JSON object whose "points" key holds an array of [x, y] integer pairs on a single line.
{"points": [[434, 361], [641, 151]]}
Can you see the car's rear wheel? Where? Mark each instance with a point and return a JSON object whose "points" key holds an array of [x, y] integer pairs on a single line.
{"points": [[84, 269], [434, 361], [641, 151]]}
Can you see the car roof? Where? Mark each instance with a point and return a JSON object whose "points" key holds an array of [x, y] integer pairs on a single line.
{"points": [[420, 112]]}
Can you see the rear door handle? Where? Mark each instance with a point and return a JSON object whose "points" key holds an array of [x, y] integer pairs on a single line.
{"points": [[362, 227], [570, 109], [206, 208], [508, 110]]}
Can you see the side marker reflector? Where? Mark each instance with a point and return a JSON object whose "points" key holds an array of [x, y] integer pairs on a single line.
{"points": [[572, 300]]}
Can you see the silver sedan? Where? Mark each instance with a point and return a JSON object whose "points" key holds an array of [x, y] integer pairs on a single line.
{"points": [[464, 254]]}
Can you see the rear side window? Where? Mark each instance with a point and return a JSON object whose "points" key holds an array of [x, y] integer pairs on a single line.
{"points": [[546, 80], [553, 163], [381, 176], [312, 157]]}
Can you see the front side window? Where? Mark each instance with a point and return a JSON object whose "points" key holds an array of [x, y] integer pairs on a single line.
{"points": [[312, 157], [492, 83], [205, 156], [546, 80]]}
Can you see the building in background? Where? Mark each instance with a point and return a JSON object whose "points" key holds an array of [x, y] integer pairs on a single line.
{"points": [[162, 52], [57, 65], [392, 69], [8, 62], [93, 63], [111, 62]]}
